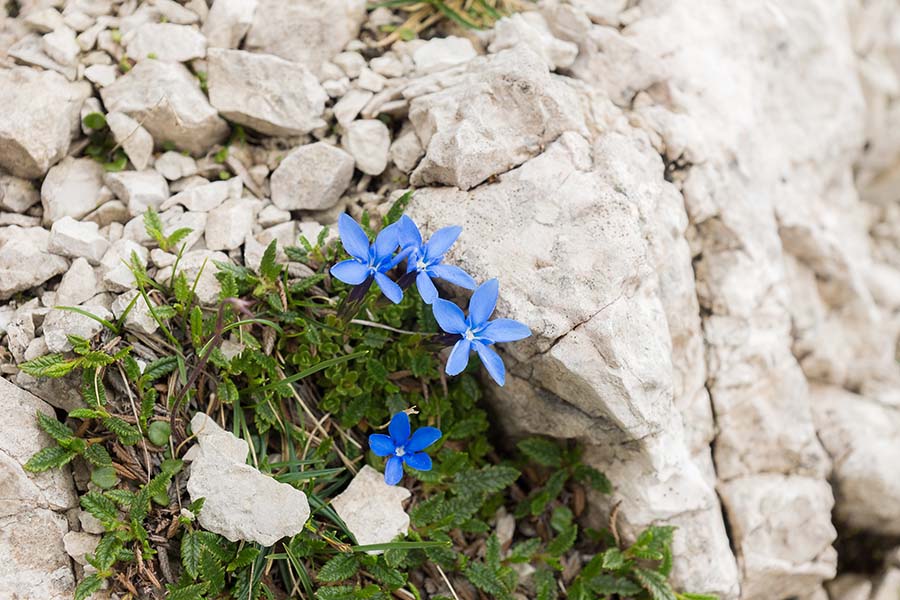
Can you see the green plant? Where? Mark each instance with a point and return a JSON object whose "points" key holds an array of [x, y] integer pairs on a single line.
{"points": [[102, 146]]}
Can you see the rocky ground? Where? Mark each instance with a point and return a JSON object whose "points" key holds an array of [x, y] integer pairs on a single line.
{"points": [[695, 205]]}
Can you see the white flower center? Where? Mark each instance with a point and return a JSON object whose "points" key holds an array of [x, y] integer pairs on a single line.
{"points": [[469, 335], [420, 266], [400, 451]]}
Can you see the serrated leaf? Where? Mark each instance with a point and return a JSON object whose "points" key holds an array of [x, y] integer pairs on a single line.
{"points": [[88, 586], [160, 368], [542, 451], [176, 236], [593, 478], [487, 480], [128, 434], [243, 558], [654, 583], [58, 431], [182, 289], [389, 576], [211, 571], [397, 209], [86, 413], [492, 552], [545, 585], [97, 455], [92, 389], [340, 567], [194, 591], [107, 552], [523, 551], [336, 592], [613, 559], [608, 585], [268, 268], [563, 542], [153, 226], [49, 458], [484, 578], [190, 553], [100, 507], [132, 368], [49, 365]]}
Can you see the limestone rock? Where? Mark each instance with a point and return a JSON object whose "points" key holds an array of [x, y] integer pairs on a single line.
{"points": [[78, 544], [101, 75], [372, 509], [499, 115], [139, 317], [241, 503], [349, 106], [309, 32], [266, 93], [60, 323], [208, 196], [368, 141], [228, 22], [139, 190], [25, 260], [134, 139], [41, 115], [174, 165], [79, 284], [229, 225], [76, 239], [311, 177], [199, 265], [531, 29], [40, 568], [114, 266], [165, 42], [72, 189], [166, 99], [406, 150], [17, 195], [442, 53]]}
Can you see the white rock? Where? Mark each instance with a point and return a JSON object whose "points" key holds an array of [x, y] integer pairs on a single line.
{"points": [[531, 29], [208, 196], [25, 261], [850, 586], [78, 285], [336, 88], [308, 32], [139, 317], [101, 75], [45, 20], [176, 13], [267, 93], [134, 139], [887, 586], [229, 225], [348, 107], [368, 141], [228, 22], [370, 80], [199, 266], [75, 239], [174, 165], [272, 215], [406, 150], [470, 134], [78, 544], [60, 45], [311, 177], [114, 267], [240, 502], [166, 99], [372, 509], [59, 323], [139, 190], [42, 111], [17, 195], [165, 42], [351, 63], [387, 65], [442, 53]]}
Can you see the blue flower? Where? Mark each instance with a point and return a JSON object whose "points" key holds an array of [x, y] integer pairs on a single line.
{"points": [[403, 448], [369, 260], [477, 332], [425, 258]]}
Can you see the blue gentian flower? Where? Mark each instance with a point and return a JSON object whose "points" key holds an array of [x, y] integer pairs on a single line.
{"points": [[369, 260], [477, 332], [425, 258], [403, 448]]}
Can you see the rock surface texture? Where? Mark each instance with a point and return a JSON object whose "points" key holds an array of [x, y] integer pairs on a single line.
{"points": [[693, 204]]}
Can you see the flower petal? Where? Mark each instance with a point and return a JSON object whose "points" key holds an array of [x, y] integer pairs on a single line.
{"points": [[426, 288], [454, 275], [389, 288], [459, 357], [409, 233], [422, 438], [399, 429], [355, 240], [419, 461], [350, 271], [381, 444], [441, 240], [387, 241], [449, 316], [504, 330], [491, 361], [393, 470], [483, 302]]}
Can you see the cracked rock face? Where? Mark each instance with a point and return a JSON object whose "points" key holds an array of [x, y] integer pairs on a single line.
{"points": [[241, 503], [33, 559]]}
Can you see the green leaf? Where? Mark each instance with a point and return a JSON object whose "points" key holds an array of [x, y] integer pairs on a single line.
{"points": [[127, 434], [397, 209], [542, 451], [545, 585], [159, 432], [243, 558], [176, 236], [97, 455], [194, 591], [86, 413], [608, 585], [104, 477], [160, 368], [487, 480], [191, 547], [153, 226], [212, 571], [49, 458], [268, 268], [389, 576], [594, 478], [49, 365], [94, 120], [654, 583], [342, 566], [523, 551], [58, 431], [88, 586], [613, 559], [484, 578], [92, 389], [107, 551], [687, 596], [492, 552], [564, 541], [100, 507]]}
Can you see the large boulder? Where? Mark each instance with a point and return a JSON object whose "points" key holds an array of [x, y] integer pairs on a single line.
{"points": [[41, 112]]}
